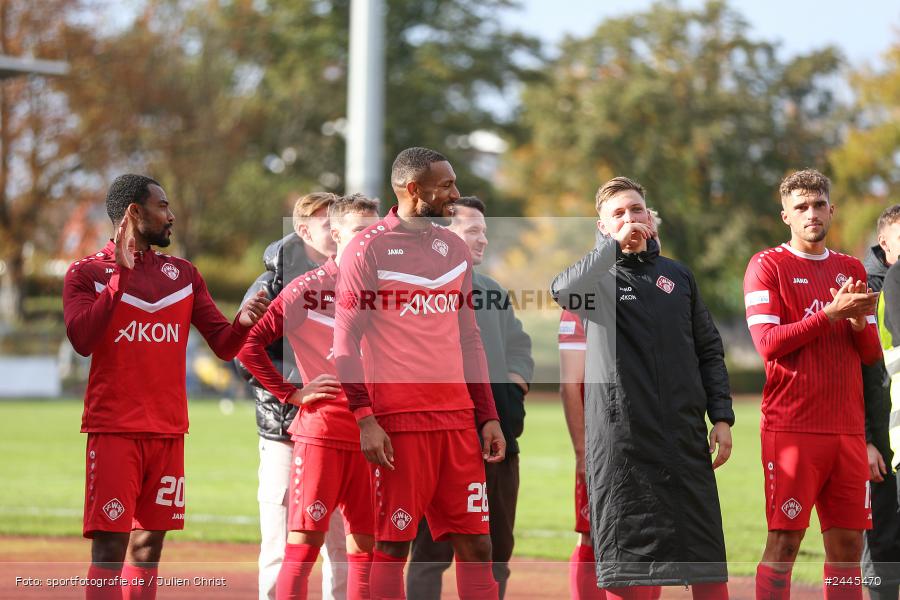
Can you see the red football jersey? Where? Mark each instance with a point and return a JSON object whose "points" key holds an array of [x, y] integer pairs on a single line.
{"points": [[409, 293], [571, 332], [304, 313], [135, 323], [813, 379]]}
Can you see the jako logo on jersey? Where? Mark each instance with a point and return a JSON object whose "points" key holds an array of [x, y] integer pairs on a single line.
{"points": [[440, 246], [791, 508], [423, 304], [150, 332], [401, 519], [801, 280], [178, 516], [171, 271], [841, 279], [665, 284], [317, 510], [113, 509], [395, 251], [815, 307]]}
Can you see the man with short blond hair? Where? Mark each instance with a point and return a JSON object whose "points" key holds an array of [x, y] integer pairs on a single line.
{"points": [[654, 368], [307, 246]]}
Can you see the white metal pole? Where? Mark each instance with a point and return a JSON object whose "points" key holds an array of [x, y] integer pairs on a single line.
{"points": [[365, 98]]}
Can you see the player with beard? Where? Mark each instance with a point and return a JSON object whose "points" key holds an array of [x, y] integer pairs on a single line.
{"points": [[405, 284], [812, 320], [131, 309]]}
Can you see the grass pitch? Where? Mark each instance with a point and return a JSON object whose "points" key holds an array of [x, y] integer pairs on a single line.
{"points": [[43, 461]]}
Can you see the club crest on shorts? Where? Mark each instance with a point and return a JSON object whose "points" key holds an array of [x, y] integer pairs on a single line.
{"points": [[113, 509], [316, 510], [841, 279], [585, 512], [665, 284], [791, 508], [401, 519], [440, 246], [171, 271]]}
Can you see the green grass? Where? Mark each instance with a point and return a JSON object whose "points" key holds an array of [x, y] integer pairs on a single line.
{"points": [[43, 462]]}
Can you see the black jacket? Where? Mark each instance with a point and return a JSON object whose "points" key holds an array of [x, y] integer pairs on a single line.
{"points": [[508, 349], [876, 383], [654, 369], [284, 259], [881, 552]]}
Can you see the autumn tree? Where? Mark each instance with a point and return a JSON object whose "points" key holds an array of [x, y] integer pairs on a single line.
{"points": [[687, 102]]}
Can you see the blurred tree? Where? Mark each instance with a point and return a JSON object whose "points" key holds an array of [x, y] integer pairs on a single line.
{"points": [[685, 102], [867, 166], [39, 145], [239, 106]]}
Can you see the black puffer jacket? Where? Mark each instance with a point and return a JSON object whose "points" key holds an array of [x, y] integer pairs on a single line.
{"points": [[285, 259], [654, 369]]}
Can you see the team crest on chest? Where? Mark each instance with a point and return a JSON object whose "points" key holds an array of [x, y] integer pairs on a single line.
{"points": [[171, 271], [841, 279], [440, 246], [665, 284]]}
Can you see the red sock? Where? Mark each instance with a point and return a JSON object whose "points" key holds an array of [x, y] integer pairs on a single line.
{"points": [[293, 578], [359, 568], [475, 581], [582, 575], [106, 583], [709, 591], [638, 592], [139, 583], [834, 590], [386, 579], [771, 584]]}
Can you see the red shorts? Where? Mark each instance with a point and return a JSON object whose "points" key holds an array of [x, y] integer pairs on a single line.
{"points": [[133, 483], [438, 474], [828, 471], [328, 479], [582, 508]]}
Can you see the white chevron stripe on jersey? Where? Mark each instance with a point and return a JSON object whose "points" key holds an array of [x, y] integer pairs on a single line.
{"points": [[424, 281], [760, 319], [152, 307], [320, 318], [573, 346]]}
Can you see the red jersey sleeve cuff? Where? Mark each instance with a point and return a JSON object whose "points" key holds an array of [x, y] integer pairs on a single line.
{"points": [[238, 327], [362, 412]]}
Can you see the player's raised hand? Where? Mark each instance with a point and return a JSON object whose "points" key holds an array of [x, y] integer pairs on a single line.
{"points": [[254, 308], [720, 436], [125, 244], [323, 387], [493, 447], [877, 468], [375, 443], [631, 235]]}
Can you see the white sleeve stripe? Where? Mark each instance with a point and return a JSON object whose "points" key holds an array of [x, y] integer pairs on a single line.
{"points": [[760, 319], [573, 346], [870, 319]]}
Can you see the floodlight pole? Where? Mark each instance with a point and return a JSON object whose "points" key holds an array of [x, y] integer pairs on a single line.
{"points": [[365, 98]]}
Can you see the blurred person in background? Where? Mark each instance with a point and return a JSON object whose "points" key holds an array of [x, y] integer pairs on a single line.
{"points": [[881, 548], [508, 351], [309, 245]]}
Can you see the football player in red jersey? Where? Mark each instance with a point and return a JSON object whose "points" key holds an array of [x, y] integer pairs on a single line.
{"points": [[131, 308], [405, 284], [812, 320], [329, 471]]}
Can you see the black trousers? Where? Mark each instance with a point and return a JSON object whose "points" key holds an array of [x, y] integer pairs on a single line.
{"points": [[430, 559], [881, 552]]}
